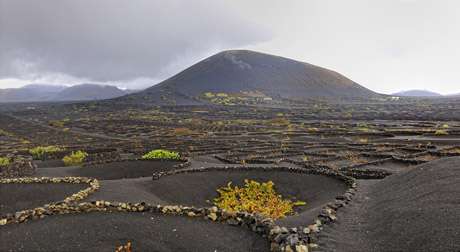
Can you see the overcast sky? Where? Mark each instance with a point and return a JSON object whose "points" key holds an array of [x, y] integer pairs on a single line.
{"points": [[385, 45]]}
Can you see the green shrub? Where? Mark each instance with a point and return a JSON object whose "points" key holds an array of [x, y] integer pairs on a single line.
{"points": [[161, 154], [41, 152], [76, 158], [4, 161], [255, 197], [441, 133]]}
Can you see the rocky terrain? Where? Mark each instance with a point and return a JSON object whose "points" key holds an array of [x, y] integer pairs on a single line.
{"points": [[360, 176], [356, 170]]}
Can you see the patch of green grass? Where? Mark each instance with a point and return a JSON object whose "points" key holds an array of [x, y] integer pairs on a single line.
{"points": [[76, 158], [161, 154], [441, 133], [4, 161], [41, 152]]}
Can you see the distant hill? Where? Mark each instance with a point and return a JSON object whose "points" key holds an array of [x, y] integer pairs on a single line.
{"points": [[238, 71], [29, 93], [89, 92], [417, 93], [49, 93]]}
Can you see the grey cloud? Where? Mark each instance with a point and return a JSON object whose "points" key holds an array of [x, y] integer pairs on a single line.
{"points": [[384, 45], [115, 40]]}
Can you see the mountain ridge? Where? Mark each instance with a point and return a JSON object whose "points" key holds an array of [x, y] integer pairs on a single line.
{"points": [[237, 71], [417, 93], [52, 93]]}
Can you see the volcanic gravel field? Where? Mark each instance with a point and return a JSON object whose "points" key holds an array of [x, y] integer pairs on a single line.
{"points": [[147, 232], [369, 185]]}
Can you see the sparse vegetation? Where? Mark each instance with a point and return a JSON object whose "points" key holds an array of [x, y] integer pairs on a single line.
{"points": [[236, 98], [5, 133], [76, 158], [124, 248], [312, 130], [441, 132], [161, 154], [41, 152], [59, 123], [280, 121], [363, 140], [255, 197], [4, 161]]}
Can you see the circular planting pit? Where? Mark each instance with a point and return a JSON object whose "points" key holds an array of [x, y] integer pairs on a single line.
{"points": [[146, 232], [390, 166], [199, 189], [16, 197], [113, 170]]}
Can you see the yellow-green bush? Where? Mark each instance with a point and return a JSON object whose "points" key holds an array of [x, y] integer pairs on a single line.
{"points": [[76, 158], [4, 161], [255, 197], [441, 133], [40, 152], [161, 154]]}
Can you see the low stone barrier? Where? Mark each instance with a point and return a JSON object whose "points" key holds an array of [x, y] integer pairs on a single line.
{"points": [[298, 239], [39, 212], [184, 161], [18, 169]]}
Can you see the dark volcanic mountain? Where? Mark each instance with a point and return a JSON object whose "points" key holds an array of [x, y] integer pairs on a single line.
{"points": [[417, 93], [87, 92], [241, 70], [48, 93]]}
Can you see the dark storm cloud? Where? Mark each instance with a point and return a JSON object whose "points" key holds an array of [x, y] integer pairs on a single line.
{"points": [[113, 40]]}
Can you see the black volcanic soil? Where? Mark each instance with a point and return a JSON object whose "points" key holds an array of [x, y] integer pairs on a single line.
{"points": [[416, 210], [49, 163], [197, 188], [390, 166], [110, 171], [16, 197], [127, 190], [147, 232]]}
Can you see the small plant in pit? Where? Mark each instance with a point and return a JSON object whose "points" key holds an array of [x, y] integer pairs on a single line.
{"points": [[455, 150], [161, 154], [76, 158], [124, 248], [4, 161], [41, 152], [441, 133], [363, 140], [255, 197]]}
